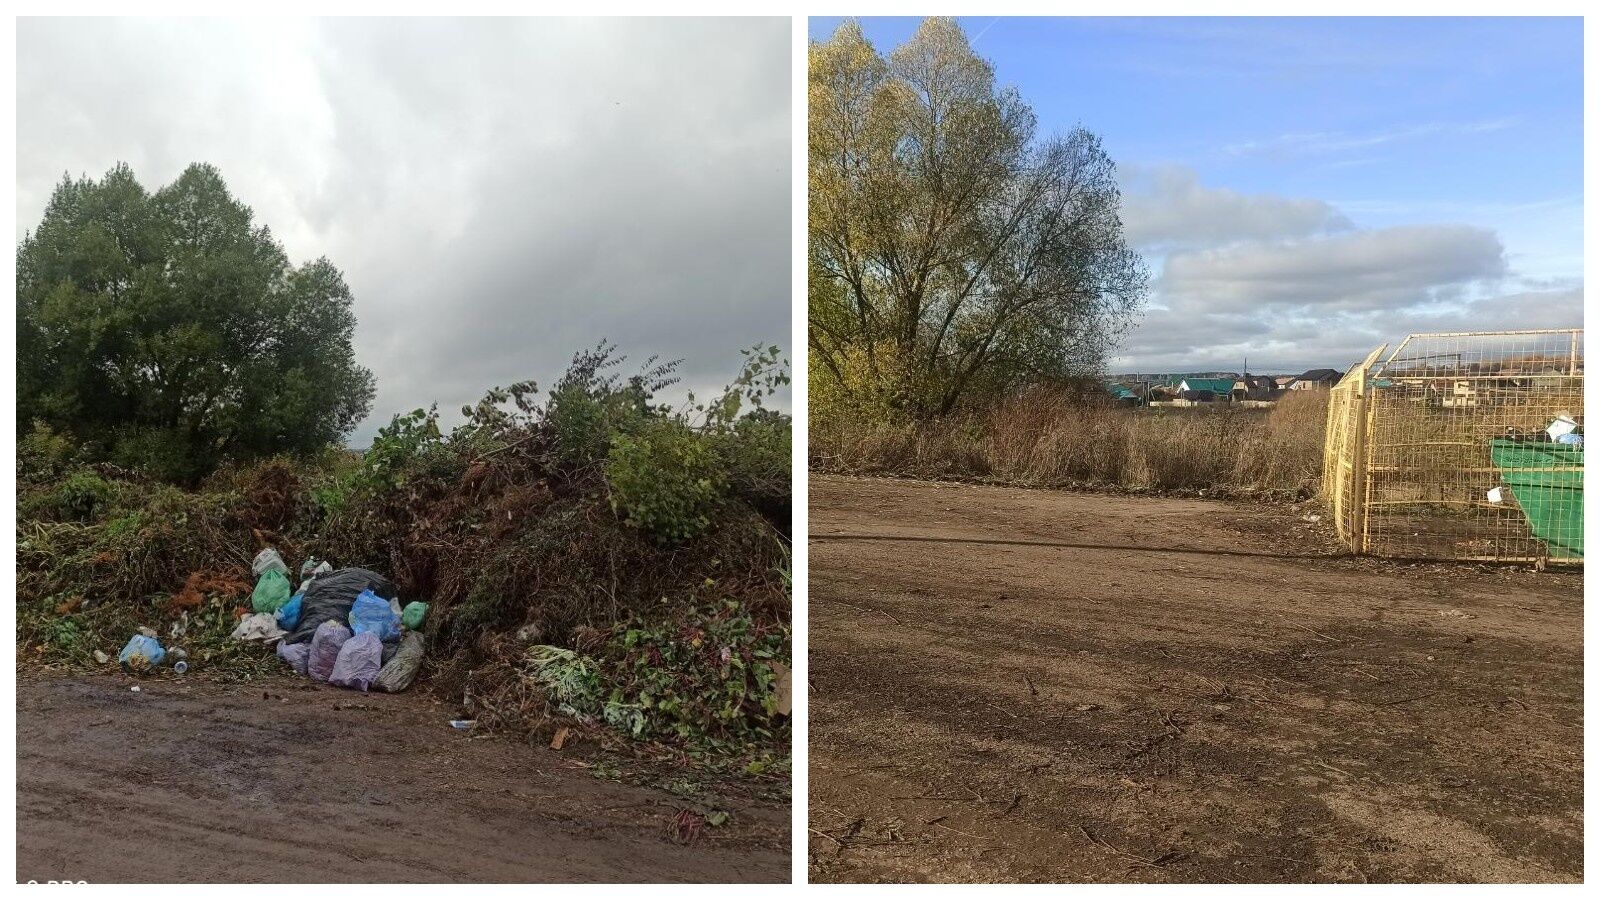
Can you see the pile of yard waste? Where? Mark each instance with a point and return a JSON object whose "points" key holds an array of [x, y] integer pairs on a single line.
{"points": [[591, 557]]}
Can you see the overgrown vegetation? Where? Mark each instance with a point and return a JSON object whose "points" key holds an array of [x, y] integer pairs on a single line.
{"points": [[969, 277], [955, 253], [167, 331], [646, 544], [1050, 439]]}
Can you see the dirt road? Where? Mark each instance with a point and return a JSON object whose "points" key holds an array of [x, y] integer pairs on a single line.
{"points": [[1033, 685], [192, 781]]}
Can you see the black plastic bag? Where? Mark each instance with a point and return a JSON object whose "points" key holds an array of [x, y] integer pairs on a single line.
{"points": [[330, 596]]}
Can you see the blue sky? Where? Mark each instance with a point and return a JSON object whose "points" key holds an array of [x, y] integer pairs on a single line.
{"points": [[1304, 189]]}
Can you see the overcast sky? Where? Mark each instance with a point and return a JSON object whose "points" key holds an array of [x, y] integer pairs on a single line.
{"points": [[498, 193], [1306, 189]]}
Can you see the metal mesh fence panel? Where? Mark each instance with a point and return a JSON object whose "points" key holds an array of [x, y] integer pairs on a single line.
{"points": [[1462, 446]]}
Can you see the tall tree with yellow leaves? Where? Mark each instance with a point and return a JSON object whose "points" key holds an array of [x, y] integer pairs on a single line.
{"points": [[953, 254]]}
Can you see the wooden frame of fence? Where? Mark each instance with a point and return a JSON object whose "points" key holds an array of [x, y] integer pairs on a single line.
{"points": [[1434, 453]]}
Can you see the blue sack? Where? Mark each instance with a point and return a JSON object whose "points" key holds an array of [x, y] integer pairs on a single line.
{"points": [[142, 654], [289, 613], [373, 613]]}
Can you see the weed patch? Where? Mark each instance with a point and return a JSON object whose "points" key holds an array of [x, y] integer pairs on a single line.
{"points": [[1044, 440]]}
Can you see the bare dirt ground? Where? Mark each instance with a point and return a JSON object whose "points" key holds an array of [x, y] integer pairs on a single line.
{"points": [[196, 781], [1018, 685]]}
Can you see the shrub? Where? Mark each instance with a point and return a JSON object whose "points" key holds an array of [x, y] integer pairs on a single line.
{"points": [[666, 480], [758, 458], [83, 496], [591, 404], [161, 454], [395, 448], [43, 452]]}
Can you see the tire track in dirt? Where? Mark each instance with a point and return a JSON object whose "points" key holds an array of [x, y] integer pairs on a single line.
{"points": [[997, 701], [193, 781]]}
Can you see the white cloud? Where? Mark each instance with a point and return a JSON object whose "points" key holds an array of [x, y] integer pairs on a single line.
{"points": [[1331, 142], [1292, 284], [1287, 341], [1166, 207], [1387, 268]]}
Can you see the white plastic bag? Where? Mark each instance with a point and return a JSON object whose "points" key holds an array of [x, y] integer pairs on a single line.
{"points": [[268, 560], [307, 578], [258, 627], [1562, 425]]}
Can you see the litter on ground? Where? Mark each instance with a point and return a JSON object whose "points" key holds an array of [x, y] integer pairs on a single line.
{"points": [[258, 627], [141, 654], [344, 626]]}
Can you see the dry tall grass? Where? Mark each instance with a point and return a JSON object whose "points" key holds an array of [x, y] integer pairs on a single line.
{"points": [[1041, 439]]}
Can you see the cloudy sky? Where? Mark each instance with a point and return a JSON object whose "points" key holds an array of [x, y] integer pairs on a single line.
{"points": [[1304, 190], [498, 193]]}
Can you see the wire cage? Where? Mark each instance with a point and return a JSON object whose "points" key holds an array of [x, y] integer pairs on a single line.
{"points": [[1461, 446]]}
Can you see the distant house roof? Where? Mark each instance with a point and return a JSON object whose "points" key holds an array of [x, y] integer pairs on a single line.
{"points": [[1319, 375], [1178, 378], [1120, 391], [1214, 385]]}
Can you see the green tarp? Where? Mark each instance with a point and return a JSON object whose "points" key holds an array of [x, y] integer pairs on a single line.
{"points": [[1547, 481]]}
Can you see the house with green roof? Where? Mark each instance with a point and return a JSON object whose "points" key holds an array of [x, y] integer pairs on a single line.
{"points": [[1121, 393], [1221, 387]]}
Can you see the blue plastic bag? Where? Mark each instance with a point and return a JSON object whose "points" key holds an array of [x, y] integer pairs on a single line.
{"points": [[371, 613], [289, 613], [142, 654]]}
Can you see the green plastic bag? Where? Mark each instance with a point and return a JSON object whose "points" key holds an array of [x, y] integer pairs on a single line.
{"points": [[272, 592], [412, 616]]}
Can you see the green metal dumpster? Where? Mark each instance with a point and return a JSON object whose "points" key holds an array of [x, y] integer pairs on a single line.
{"points": [[1547, 480]]}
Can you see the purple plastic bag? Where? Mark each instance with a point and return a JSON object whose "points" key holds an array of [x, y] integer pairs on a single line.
{"points": [[296, 655], [360, 659], [325, 644]]}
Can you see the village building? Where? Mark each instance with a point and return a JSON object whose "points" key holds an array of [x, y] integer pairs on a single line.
{"points": [[1217, 387], [1316, 379], [1253, 387]]}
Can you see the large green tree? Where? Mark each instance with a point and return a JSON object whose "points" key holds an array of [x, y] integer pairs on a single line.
{"points": [[954, 254], [168, 330]]}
